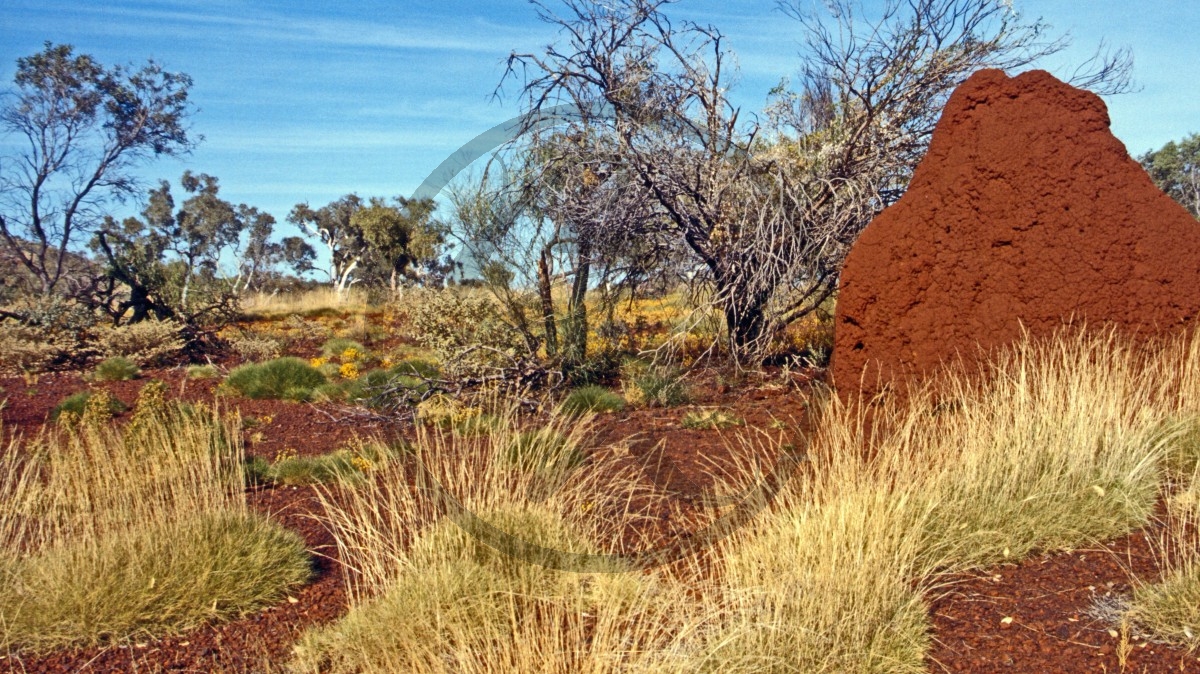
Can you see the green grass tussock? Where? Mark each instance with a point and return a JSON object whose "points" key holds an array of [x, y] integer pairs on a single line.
{"points": [[117, 368], [113, 534], [77, 403], [350, 463], [653, 386], [823, 587], [1169, 609], [1061, 447], [593, 398], [443, 600], [337, 346], [282, 378]]}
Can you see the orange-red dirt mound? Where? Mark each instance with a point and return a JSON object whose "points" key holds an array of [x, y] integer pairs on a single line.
{"points": [[1026, 211]]}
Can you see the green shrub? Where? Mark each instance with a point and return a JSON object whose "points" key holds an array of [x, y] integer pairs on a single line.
{"points": [[77, 403], [453, 323], [592, 399], [146, 343], [655, 386], [116, 368], [202, 372], [282, 378], [335, 347]]}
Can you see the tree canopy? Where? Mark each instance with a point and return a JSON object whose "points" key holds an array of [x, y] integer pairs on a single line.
{"points": [[386, 242], [85, 128], [1175, 168]]}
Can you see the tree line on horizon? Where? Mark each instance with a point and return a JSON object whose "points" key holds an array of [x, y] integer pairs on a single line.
{"points": [[660, 182]]}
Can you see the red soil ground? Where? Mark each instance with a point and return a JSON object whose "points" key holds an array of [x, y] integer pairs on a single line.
{"points": [[1048, 597]]}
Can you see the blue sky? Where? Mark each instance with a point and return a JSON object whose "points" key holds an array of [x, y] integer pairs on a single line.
{"points": [[307, 101]]}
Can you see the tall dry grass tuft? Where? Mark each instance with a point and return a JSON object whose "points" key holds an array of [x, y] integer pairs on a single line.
{"points": [[1059, 447], [108, 534], [305, 302], [1168, 608], [1062, 444], [434, 588]]}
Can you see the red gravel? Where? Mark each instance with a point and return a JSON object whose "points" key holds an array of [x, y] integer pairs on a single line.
{"points": [[1048, 597]]}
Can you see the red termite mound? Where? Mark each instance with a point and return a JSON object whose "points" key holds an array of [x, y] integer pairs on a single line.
{"points": [[1025, 213]]}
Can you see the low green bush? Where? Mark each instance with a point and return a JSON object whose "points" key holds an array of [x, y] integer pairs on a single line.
{"points": [[282, 378], [655, 387], [77, 403], [203, 372], [117, 368], [335, 347], [592, 399]]}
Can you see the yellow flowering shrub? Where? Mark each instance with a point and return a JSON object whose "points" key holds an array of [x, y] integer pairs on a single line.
{"points": [[444, 411]]}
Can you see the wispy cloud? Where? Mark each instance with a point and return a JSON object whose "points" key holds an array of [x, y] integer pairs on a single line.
{"points": [[339, 140], [400, 30]]}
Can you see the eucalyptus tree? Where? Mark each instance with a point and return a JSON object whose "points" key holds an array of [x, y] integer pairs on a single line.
{"points": [[373, 239], [82, 129], [162, 257], [1175, 168]]}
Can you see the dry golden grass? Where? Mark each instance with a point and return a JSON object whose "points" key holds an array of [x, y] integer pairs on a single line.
{"points": [[1169, 608], [110, 534], [354, 300], [436, 586], [1064, 445]]}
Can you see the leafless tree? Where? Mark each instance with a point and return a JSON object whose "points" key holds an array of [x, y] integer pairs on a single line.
{"points": [[766, 211]]}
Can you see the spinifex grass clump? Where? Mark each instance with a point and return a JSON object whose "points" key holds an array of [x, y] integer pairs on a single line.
{"points": [[352, 462], [1169, 609], [282, 378], [75, 405], [116, 368], [107, 534], [453, 565], [654, 386], [343, 349], [587, 399], [1058, 447]]}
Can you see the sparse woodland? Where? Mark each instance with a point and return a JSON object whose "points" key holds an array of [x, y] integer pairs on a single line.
{"points": [[575, 418]]}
